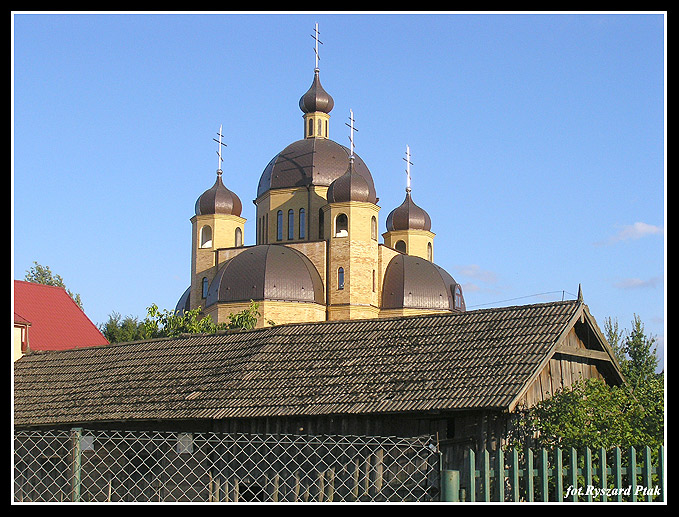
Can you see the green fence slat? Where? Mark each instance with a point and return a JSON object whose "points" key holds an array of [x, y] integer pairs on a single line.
{"points": [[573, 474], [558, 466], [661, 472], [632, 472], [485, 475], [529, 476], [500, 475], [646, 474], [515, 475], [471, 466], [602, 473], [588, 474]]}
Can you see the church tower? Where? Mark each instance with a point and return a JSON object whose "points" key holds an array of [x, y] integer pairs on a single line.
{"points": [[409, 226], [217, 224], [353, 258]]}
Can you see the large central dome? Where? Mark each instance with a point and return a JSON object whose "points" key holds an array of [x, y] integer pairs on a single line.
{"points": [[311, 161]]}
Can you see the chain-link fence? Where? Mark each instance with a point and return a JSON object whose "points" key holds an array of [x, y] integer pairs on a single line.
{"points": [[83, 465]]}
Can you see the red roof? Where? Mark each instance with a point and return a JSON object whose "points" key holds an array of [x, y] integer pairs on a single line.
{"points": [[57, 323]]}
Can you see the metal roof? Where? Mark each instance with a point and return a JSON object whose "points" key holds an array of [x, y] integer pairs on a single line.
{"points": [[466, 360], [267, 272], [311, 161], [408, 216]]}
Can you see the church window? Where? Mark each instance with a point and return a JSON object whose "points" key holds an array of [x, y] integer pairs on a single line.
{"points": [[341, 226], [320, 127], [430, 252], [291, 224], [302, 223], [279, 228], [458, 297], [206, 237], [401, 246], [374, 283], [373, 228], [340, 278], [204, 287], [311, 127], [326, 129], [239, 237], [321, 224]]}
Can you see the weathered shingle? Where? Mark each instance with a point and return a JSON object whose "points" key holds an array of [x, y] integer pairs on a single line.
{"points": [[474, 359]]}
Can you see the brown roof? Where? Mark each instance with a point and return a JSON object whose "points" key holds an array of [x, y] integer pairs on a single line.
{"points": [[466, 360]]}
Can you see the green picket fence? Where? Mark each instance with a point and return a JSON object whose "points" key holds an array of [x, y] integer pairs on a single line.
{"points": [[557, 475]]}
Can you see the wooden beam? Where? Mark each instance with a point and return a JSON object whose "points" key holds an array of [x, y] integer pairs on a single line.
{"points": [[583, 352]]}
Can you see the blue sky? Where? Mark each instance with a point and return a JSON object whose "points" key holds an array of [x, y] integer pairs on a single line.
{"points": [[537, 143]]}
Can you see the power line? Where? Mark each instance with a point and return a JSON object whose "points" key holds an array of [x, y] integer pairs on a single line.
{"points": [[563, 294]]}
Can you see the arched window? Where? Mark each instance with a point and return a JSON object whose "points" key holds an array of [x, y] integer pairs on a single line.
{"points": [[206, 237], [279, 223], [321, 224], [320, 127], [340, 278], [374, 282], [341, 226], [239, 237], [311, 127], [373, 228], [458, 297], [291, 224], [430, 252], [302, 223], [401, 246], [326, 129], [204, 287]]}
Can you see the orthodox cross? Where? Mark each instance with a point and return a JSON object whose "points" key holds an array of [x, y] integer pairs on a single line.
{"points": [[219, 148], [315, 37], [351, 133], [408, 164]]}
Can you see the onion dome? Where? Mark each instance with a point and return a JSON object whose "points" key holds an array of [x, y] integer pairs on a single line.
{"points": [[218, 200], [267, 272], [412, 282], [311, 161], [316, 98], [350, 186], [408, 216]]}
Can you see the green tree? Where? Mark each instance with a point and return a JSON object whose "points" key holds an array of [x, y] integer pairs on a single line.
{"points": [[42, 275], [166, 323]]}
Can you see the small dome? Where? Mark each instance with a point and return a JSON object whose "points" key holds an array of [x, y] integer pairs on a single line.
{"points": [[350, 186], [311, 161], [267, 272], [218, 200], [415, 283], [316, 98], [408, 216]]}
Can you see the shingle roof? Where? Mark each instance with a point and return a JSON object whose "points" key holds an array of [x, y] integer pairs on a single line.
{"points": [[474, 359], [57, 323]]}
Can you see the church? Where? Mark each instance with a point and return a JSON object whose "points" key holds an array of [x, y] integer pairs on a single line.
{"points": [[317, 255]]}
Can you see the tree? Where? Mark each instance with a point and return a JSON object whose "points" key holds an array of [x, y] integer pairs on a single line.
{"points": [[42, 275], [167, 323], [594, 414]]}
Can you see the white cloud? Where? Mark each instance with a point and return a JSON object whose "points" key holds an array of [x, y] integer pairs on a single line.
{"points": [[633, 232], [636, 283], [474, 271]]}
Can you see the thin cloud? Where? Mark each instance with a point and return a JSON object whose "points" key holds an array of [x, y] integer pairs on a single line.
{"points": [[634, 231], [636, 283], [475, 272]]}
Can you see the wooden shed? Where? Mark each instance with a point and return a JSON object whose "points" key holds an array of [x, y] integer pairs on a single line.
{"points": [[458, 376]]}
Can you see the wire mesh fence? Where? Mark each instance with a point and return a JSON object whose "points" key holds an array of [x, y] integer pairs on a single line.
{"points": [[117, 466]]}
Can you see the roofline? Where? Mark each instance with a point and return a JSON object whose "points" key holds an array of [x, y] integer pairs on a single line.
{"points": [[582, 312]]}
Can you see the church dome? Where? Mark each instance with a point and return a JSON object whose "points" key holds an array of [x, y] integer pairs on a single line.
{"points": [[316, 98], [350, 187], [311, 161], [267, 272], [408, 216], [218, 200], [415, 283]]}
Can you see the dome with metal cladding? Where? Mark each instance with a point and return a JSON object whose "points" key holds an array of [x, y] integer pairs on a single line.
{"points": [[218, 200], [312, 161], [267, 272], [316, 98], [350, 186], [415, 283], [408, 216]]}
